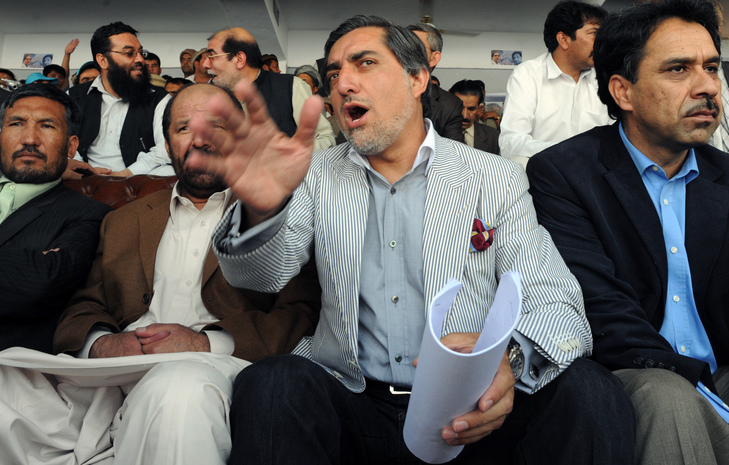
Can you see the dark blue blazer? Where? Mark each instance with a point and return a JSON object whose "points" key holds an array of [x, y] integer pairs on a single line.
{"points": [[35, 287], [590, 197]]}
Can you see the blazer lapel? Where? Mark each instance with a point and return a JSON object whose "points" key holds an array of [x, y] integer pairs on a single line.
{"points": [[450, 204], [344, 203], [627, 185], [26, 214], [151, 227], [705, 198]]}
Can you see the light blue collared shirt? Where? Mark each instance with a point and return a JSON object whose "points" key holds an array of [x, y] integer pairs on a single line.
{"points": [[682, 327]]}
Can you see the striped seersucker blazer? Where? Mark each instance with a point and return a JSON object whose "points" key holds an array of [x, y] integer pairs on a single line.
{"points": [[327, 215]]}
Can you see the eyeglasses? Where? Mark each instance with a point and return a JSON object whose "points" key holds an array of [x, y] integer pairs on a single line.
{"points": [[131, 53], [211, 54]]}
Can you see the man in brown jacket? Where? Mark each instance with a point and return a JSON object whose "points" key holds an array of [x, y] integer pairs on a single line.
{"points": [[155, 288]]}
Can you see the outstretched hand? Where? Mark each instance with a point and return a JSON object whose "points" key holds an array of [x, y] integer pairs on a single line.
{"points": [[71, 47], [261, 164]]}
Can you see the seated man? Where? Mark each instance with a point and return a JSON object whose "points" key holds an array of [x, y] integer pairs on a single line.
{"points": [[122, 113], [48, 233], [155, 288], [388, 219], [640, 212], [478, 136]]}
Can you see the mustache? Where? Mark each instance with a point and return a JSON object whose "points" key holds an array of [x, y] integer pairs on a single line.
{"points": [[26, 149], [207, 151], [706, 104]]}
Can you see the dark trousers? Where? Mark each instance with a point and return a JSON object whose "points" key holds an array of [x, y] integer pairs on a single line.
{"points": [[288, 410]]}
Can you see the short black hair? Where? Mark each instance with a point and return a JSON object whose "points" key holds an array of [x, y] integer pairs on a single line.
{"points": [[268, 58], [568, 17], [167, 115], [468, 87], [57, 68], [8, 72], [403, 43], [232, 45], [73, 111], [153, 57], [620, 41], [100, 42]]}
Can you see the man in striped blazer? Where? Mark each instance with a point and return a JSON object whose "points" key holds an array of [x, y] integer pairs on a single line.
{"points": [[388, 218]]}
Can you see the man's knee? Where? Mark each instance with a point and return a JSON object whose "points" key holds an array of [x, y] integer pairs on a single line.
{"points": [[657, 388], [589, 385], [182, 384]]}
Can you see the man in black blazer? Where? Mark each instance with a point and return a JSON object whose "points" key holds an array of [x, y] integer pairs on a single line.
{"points": [[48, 233], [478, 136], [640, 212], [445, 108]]}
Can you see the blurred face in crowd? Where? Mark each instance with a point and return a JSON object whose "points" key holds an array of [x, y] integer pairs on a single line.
{"points": [[307, 79], [192, 102], [88, 75], [173, 88], [34, 142], [470, 109], [186, 63], [273, 67], [153, 67]]}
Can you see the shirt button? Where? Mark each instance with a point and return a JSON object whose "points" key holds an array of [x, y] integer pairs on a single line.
{"points": [[665, 201], [188, 283], [395, 299], [683, 349], [12, 186], [676, 298], [202, 223], [674, 249], [654, 168], [196, 253], [398, 358], [393, 244], [393, 190]]}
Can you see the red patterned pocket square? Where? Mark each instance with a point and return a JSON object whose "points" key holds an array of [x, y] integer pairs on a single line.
{"points": [[482, 236]]}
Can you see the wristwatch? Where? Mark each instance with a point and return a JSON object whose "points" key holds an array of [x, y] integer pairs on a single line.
{"points": [[516, 358]]}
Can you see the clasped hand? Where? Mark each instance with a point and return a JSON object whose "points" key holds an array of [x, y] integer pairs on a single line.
{"points": [[154, 339]]}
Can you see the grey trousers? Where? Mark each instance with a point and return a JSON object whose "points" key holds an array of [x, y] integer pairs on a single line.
{"points": [[675, 424]]}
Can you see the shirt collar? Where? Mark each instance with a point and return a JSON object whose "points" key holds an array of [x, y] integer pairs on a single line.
{"points": [[99, 85], [25, 192], [425, 152], [553, 70], [177, 201], [645, 165]]}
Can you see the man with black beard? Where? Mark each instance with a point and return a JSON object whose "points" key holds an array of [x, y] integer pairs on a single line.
{"points": [[122, 111], [48, 233], [155, 290]]}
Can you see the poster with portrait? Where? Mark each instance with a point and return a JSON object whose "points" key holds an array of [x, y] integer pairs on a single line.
{"points": [[506, 57], [36, 60]]}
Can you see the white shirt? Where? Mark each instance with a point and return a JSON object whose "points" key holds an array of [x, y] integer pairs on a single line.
{"points": [[545, 106], [105, 151], [178, 271], [324, 137]]}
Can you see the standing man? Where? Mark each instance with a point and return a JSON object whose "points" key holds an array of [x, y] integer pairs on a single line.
{"points": [[186, 62], [478, 136], [445, 108], [553, 97], [388, 218], [122, 111], [640, 212], [201, 75], [48, 233], [156, 288], [233, 56]]}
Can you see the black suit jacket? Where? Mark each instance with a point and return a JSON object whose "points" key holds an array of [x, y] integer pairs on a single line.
{"points": [[34, 287], [446, 111], [590, 197], [486, 138]]}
